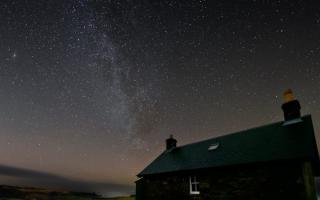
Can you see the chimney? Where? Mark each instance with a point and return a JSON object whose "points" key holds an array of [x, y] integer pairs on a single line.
{"points": [[291, 107], [171, 143]]}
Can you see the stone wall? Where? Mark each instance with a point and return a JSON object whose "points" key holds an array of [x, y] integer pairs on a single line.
{"points": [[250, 182]]}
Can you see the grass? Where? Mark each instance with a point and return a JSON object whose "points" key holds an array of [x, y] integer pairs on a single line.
{"points": [[29, 193], [71, 197]]}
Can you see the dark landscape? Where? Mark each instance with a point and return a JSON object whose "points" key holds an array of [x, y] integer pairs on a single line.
{"points": [[30, 193]]}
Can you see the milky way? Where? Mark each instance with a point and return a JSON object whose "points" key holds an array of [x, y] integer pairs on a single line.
{"points": [[90, 89]]}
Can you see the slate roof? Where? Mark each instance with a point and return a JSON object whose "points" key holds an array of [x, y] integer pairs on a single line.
{"points": [[273, 142]]}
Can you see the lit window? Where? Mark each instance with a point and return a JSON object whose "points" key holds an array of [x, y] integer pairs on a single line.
{"points": [[194, 185]]}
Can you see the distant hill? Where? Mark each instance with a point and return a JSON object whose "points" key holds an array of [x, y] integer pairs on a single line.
{"points": [[31, 193]]}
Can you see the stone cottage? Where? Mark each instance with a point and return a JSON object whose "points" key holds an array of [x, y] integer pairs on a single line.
{"points": [[275, 161]]}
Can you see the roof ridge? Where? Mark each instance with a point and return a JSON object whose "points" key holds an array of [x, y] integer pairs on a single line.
{"points": [[238, 132], [283, 143]]}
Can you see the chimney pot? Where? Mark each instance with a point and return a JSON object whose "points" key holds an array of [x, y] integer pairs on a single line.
{"points": [[288, 96], [291, 107], [171, 143]]}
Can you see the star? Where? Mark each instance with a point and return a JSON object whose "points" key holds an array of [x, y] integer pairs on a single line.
{"points": [[14, 55]]}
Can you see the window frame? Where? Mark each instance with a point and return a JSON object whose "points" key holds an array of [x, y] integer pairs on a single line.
{"points": [[194, 182]]}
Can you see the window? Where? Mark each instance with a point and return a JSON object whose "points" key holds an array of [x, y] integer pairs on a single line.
{"points": [[213, 146], [194, 185]]}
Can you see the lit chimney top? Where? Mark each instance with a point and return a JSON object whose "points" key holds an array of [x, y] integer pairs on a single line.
{"points": [[288, 96], [171, 143], [291, 107]]}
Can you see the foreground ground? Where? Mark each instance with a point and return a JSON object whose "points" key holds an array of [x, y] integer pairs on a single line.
{"points": [[74, 198], [69, 198], [29, 193]]}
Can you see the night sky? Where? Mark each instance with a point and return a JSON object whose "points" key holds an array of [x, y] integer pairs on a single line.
{"points": [[90, 89]]}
